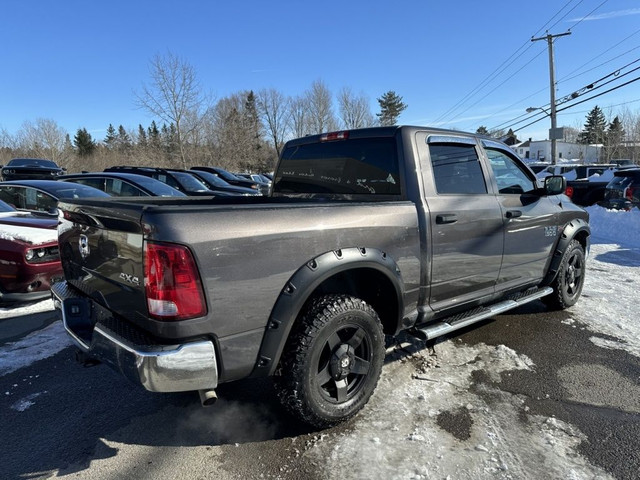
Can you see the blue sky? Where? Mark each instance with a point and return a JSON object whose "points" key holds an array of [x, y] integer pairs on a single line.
{"points": [[458, 64]]}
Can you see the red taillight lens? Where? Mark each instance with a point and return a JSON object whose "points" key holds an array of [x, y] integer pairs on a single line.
{"points": [[628, 193], [569, 192], [172, 283]]}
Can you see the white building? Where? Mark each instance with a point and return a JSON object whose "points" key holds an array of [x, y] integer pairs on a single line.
{"points": [[540, 151]]}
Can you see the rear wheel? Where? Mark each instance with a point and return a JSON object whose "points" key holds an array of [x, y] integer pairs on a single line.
{"points": [[332, 360], [567, 286]]}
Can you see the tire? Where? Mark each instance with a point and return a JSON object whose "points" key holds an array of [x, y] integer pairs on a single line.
{"points": [[568, 283], [332, 361]]}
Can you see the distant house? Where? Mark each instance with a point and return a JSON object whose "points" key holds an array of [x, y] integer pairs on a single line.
{"points": [[522, 149], [540, 151]]}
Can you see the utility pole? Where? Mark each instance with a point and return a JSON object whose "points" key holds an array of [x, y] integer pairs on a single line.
{"points": [[553, 132]]}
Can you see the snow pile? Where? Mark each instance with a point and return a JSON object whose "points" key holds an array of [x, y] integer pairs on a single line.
{"points": [[606, 176], [32, 235], [618, 227]]}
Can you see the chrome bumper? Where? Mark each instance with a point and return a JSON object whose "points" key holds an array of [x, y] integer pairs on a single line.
{"points": [[158, 368]]}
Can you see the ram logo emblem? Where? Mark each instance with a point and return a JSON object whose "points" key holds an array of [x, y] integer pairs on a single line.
{"points": [[83, 245]]}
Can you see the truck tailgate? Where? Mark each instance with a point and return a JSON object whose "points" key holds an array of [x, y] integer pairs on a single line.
{"points": [[102, 254]]}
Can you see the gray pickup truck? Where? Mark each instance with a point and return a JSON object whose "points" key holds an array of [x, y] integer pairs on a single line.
{"points": [[365, 233]]}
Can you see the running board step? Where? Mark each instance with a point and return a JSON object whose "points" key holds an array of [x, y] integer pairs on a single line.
{"points": [[465, 319]]}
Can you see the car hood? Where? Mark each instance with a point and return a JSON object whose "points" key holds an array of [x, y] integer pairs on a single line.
{"points": [[25, 219]]}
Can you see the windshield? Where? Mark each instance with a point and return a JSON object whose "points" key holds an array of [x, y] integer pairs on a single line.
{"points": [[31, 162], [361, 166], [189, 182], [211, 179], [5, 207], [157, 187]]}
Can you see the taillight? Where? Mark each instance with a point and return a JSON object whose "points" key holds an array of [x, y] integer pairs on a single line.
{"points": [[172, 283], [628, 193], [569, 192]]}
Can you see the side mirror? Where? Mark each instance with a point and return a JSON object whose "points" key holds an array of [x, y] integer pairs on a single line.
{"points": [[555, 185]]}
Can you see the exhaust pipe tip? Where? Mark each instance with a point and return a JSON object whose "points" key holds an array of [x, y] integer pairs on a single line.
{"points": [[208, 397]]}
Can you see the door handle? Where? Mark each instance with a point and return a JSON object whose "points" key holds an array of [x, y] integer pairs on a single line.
{"points": [[513, 213], [446, 218]]}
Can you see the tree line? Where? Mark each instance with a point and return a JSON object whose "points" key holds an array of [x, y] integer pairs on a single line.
{"points": [[244, 131]]}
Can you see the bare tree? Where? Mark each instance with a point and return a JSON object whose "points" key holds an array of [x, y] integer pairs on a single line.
{"points": [[299, 117], [43, 138], [174, 95], [354, 110], [320, 108], [274, 111]]}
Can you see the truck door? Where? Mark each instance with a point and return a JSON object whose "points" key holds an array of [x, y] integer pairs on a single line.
{"points": [[465, 223], [531, 220]]}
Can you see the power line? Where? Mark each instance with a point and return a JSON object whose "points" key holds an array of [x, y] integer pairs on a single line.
{"points": [[503, 66], [582, 101], [588, 14]]}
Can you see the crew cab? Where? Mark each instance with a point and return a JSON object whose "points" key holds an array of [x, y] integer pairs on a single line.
{"points": [[365, 233]]}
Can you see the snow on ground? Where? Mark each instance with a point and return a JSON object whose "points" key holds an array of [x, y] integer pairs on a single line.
{"points": [[36, 346], [399, 434]]}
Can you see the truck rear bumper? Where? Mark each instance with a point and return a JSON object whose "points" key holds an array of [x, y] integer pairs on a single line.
{"points": [[158, 368]]}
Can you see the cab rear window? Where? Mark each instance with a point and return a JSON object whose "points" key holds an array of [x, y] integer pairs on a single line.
{"points": [[356, 166]]}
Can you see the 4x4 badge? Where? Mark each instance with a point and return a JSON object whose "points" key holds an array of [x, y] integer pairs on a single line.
{"points": [[83, 244]]}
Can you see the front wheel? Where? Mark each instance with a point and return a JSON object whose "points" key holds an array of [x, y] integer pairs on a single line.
{"points": [[567, 286], [332, 361]]}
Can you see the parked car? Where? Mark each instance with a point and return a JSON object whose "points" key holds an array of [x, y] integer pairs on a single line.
{"points": [[623, 192], [122, 184], [30, 169], [231, 178], [43, 195], [217, 184], [28, 254], [178, 179]]}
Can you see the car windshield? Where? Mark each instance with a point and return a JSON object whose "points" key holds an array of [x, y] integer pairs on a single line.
{"points": [[211, 179], [157, 187], [31, 162], [5, 207], [189, 182], [75, 190], [228, 175]]}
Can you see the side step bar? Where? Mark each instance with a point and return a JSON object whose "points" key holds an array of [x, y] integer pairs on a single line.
{"points": [[465, 319]]}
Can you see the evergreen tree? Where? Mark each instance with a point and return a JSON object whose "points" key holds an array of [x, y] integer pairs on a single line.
{"points": [[482, 130], [594, 128], [154, 134], [110, 139], [124, 140], [142, 136], [83, 142], [615, 136], [391, 106]]}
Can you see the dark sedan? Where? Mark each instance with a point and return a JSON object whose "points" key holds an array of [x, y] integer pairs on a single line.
{"points": [[28, 254], [42, 195], [122, 184], [30, 169]]}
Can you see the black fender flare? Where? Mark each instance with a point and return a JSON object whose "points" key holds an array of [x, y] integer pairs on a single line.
{"points": [[575, 228], [304, 282]]}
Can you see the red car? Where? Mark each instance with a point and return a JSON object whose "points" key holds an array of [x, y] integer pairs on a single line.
{"points": [[29, 257]]}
